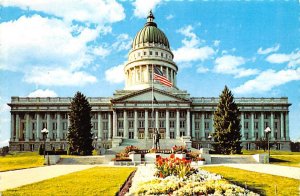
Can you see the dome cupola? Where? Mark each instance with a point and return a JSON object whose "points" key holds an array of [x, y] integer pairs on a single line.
{"points": [[150, 48]]}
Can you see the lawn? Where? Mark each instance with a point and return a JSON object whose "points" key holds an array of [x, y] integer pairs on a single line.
{"points": [[20, 160], [285, 160], [264, 184], [94, 181], [272, 152]]}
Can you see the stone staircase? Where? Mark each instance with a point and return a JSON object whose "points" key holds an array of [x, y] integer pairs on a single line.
{"points": [[147, 144], [224, 159], [84, 160]]}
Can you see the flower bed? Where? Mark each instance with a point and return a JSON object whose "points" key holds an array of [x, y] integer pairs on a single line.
{"points": [[173, 176]]}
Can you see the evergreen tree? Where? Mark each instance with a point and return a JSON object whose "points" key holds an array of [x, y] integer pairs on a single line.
{"points": [[80, 135], [227, 125]]}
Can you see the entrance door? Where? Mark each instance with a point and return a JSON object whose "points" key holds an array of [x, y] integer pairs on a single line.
{"points": [[131, 135]]}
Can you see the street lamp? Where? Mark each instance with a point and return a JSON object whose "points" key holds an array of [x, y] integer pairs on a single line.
{"points": [[209, 137], [45, 133], [96, 142], [268, 131]]}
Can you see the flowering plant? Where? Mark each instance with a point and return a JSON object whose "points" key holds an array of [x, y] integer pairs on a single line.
{"points": [[179, 149], [131, 148], [173, 166]]}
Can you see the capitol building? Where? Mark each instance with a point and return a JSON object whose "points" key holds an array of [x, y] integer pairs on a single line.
{"points": [[130, 115]]}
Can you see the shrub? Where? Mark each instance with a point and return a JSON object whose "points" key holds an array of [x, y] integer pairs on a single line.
{"points": [[179, 149], [41, 149], [121, 159], [95, 152], [131, 148]]}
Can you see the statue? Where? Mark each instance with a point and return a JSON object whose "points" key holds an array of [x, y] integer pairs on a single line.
{"points": [[156, 137]]}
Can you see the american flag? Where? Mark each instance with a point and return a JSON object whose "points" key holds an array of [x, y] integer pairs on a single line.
{"points": [[158, 75]]}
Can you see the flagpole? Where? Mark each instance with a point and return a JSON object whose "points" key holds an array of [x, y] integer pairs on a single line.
{"points": [[152, 105]]}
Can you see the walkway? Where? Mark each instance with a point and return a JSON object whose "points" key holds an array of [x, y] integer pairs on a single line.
{"points": [[13, 179], [285, 171]]}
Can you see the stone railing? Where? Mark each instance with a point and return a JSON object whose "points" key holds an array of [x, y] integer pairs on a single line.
{"points": [[212, 100]]}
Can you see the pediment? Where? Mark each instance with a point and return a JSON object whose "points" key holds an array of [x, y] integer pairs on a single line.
{"points": [[146, 96]]}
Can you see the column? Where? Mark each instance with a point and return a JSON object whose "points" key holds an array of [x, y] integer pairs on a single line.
{"points": [[167, 73], [12, 127], [38, 127], [287, 131], [272, 126], [242, 126], [146, 124], [188, 123], [135, 123], [114, 123], [202, 132], [171, 76], [177, 125], [175, 80], [100, 130], [252, 126], [59, 129], [147, 79], [27, 136], [281, 126], [109, 125], [212, 122], [125, 124], [17, 127], [262, 125], [167, 124], [156, 119], [193, 125], [49, 127]]}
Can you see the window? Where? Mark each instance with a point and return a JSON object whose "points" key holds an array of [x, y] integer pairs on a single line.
{"points": [[33, 126], [172, 124], [182, 114], [197, 125], [54, 116], [130, 124], [33, 116], [256, 135], [162, 54], [197, 115], [120, 114], [206, 125], [54, 126], [150, 52], [151, 123], [246, 116], [105, 125], [246, 125], [161, 124], [172, 114], [206, 115], [130, 114], [94, 116], [120, 124], [44, 116], [105, 116], [266, 116], [145, 53], [266, 124], [182, 124], [65, 116], [95, 125], [246, 136], [44, 125], [64, 126], [172, 135], [156, 53], [141, 124], [255, 116], [161, 114], [141, 114], [275, 116], [256, 125], [276, 125]]}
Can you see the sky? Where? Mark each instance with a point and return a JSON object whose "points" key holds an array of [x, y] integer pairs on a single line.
{"points": [[56, 48]]}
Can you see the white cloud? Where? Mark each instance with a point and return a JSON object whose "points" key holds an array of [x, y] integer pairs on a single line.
{"points": [[58, 77], [42, 93], [90, 11], [202, 69], [123, 42], [293, 59], [170, 16], [115, 74], [191, 51], [268, 50], [4, 143], [229, 64], [31, 41], [217, 43], [101, 51], [142, 7], [267, 80]]}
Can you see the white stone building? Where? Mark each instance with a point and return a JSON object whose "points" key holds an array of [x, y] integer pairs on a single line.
{"points": [[127, 117]]}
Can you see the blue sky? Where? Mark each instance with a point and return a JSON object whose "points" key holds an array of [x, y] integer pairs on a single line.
{"points": [[57, 48]]}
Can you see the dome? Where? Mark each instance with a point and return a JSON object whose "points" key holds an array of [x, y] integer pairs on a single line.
{"points": [[150, 34]]}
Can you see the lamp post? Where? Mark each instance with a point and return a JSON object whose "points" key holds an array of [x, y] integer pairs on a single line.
{"points": [[45, 133], [209, 137], [96, 142], [268, 131]]}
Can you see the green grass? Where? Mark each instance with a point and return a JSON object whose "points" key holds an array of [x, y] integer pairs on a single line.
{"points": [[20, 160], [94, 181], [272, 152], [263, 184], [285, 160]]}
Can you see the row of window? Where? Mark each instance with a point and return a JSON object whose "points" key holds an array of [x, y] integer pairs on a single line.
{"points": [[141, 114], [153, 53], [256, 125], [257, 115]]}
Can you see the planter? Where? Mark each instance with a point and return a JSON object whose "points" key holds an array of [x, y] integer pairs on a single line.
{"points": [[151, 157], [200, 162], [180, 156], [135, 157]]}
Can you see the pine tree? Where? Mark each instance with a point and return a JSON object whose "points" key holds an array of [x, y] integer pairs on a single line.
{"points": [[227, 125], [80, 135]]}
